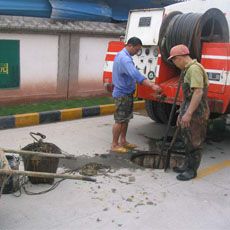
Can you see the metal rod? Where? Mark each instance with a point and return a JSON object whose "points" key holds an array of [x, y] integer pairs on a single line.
{"points": [[168, 153], [45, 175], [41, 154], [170, 119]]}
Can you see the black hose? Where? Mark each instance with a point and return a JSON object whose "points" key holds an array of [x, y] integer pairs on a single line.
{"points": [[192, 29]]}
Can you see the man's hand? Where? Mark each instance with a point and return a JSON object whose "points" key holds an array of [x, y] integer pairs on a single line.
{"points": [[185, 120], [155, 87], [152, 85], [196, 98]]}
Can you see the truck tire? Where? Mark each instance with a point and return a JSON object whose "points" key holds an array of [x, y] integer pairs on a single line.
{"points": [[160, 112], [151, 109]]}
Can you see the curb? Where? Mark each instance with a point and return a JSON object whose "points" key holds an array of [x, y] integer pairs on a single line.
{"points": [[29, 119]]}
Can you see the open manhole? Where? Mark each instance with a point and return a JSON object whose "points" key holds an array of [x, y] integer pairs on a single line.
{"points": [[216, 131], [151, 158]]}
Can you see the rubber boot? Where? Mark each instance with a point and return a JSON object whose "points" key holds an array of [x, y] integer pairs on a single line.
{"points": [[193, 164], [188, 174], [181, 168], [197, 156]]}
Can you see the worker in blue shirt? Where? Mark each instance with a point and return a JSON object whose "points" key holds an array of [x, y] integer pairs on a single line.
{"points": [[125, 76]]}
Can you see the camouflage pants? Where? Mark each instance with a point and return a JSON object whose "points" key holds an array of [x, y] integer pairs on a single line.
{"points": [[195, 135], [193, 138], [124, 109]]}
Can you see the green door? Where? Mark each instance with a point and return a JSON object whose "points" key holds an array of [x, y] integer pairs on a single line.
{"points": [[9, 64]]}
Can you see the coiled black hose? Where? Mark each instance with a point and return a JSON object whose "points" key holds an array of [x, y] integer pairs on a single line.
{"points": [[192, 29]]}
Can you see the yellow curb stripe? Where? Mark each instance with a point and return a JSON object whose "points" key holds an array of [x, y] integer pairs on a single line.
{"points": [[107, 109], [212, 169], [71, 114], [139, 105], [27, 119]]}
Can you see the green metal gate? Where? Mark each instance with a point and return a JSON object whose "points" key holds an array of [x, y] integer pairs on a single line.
{"points": [[9, 64]]}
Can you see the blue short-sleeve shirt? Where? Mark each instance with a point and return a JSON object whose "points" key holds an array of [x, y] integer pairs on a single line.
{"points": [[125, 75]]}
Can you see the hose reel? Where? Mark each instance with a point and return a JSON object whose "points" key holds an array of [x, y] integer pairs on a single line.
{"points": [[192, 29]]}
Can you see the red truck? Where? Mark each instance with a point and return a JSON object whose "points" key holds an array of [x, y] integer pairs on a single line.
{"points": [[208, 42]]}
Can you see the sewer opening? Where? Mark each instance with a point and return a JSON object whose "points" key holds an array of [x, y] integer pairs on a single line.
{"points": [[217, 131], [151, 158]]}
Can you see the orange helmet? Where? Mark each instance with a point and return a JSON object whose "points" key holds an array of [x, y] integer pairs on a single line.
{"points": [[178, 50]]}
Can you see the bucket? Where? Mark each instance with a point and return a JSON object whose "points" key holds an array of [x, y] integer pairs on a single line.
{"points": [[41, 164]]}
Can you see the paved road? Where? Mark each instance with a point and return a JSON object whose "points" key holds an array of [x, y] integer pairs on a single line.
{"points": [[127, 197]]}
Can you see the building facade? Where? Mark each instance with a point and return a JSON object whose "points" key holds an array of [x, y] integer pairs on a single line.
{"points": [[46, 59]]}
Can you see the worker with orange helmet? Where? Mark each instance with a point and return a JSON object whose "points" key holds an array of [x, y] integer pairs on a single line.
{"points": [[194, 110]]}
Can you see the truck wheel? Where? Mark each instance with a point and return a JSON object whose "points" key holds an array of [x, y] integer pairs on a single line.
{"points": [[160, 112], [151, 109], [163, 112]]}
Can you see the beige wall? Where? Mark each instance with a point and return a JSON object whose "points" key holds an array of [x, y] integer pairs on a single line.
{"points": [[50, 69], [91, 63], [38, 66]]}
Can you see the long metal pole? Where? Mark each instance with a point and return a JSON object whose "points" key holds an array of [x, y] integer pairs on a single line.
{"points": [[169, 123], [40, 154], [45, 175]]}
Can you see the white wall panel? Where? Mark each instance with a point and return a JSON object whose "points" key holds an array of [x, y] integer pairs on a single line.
{"points": [[91, 62], [38, 59]]}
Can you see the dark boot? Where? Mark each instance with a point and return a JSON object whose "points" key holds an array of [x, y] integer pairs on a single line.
{"points": [[193, 164], [188, 174], [182, 168], [197, 157], [179, 169]]}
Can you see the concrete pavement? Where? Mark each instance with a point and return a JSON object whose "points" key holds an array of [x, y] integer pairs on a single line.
{"points": [[127, 197]]}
